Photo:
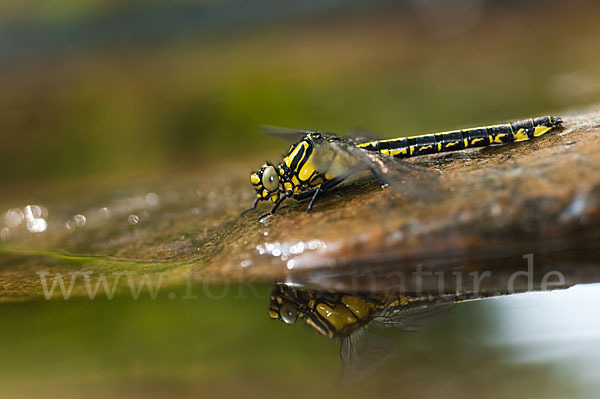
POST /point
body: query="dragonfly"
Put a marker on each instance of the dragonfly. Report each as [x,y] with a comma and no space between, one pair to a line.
[319,161]
[349,317]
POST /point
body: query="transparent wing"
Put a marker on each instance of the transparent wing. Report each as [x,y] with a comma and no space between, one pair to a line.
[414,181]
[361,136]
[291,135]
[362,353]
[414,318]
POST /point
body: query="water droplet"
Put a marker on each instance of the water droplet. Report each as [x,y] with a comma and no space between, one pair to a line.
[246,263]
[79,220]
[266,234]
[39,211]
[14,217]
[133,219]
[290,264]
[297,248]
[37,225]
[152,199]
[35,222]
[314,244]
[276,252]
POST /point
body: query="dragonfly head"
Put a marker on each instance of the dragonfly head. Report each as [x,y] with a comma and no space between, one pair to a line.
[287,304]
[268,182]
[334,315]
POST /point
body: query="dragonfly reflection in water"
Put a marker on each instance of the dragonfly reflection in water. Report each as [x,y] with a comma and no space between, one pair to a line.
[348,317]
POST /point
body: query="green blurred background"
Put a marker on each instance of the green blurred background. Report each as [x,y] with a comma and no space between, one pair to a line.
[109,88]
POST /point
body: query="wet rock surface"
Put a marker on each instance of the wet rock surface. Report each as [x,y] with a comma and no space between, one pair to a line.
[494,205]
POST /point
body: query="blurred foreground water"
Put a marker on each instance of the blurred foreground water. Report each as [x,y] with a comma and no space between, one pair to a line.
[534,345]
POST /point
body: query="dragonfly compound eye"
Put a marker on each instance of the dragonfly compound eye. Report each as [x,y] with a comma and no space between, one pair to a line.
[288,313]
[270,179]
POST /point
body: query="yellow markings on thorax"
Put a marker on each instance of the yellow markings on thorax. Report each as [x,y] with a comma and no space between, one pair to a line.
[273,314]
[521,135]
[254,178]
[338,316]
[316,181]
[290,158]
[306,172]
[320,329]
[403,301]
[359,307]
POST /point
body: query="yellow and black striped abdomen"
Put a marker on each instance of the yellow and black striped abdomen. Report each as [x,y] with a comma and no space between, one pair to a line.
[466,138]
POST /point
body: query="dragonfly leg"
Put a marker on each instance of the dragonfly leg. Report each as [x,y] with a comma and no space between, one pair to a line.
[260,219]
[313,199]
[379,179]
[251,208]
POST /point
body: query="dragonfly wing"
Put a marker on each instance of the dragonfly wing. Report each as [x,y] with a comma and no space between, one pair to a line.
[354,137]
[414,318]
[412,180]
[362,353]
[359,136]
[291,135]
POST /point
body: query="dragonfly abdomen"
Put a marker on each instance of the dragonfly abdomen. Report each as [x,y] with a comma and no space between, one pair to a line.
[457,140]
